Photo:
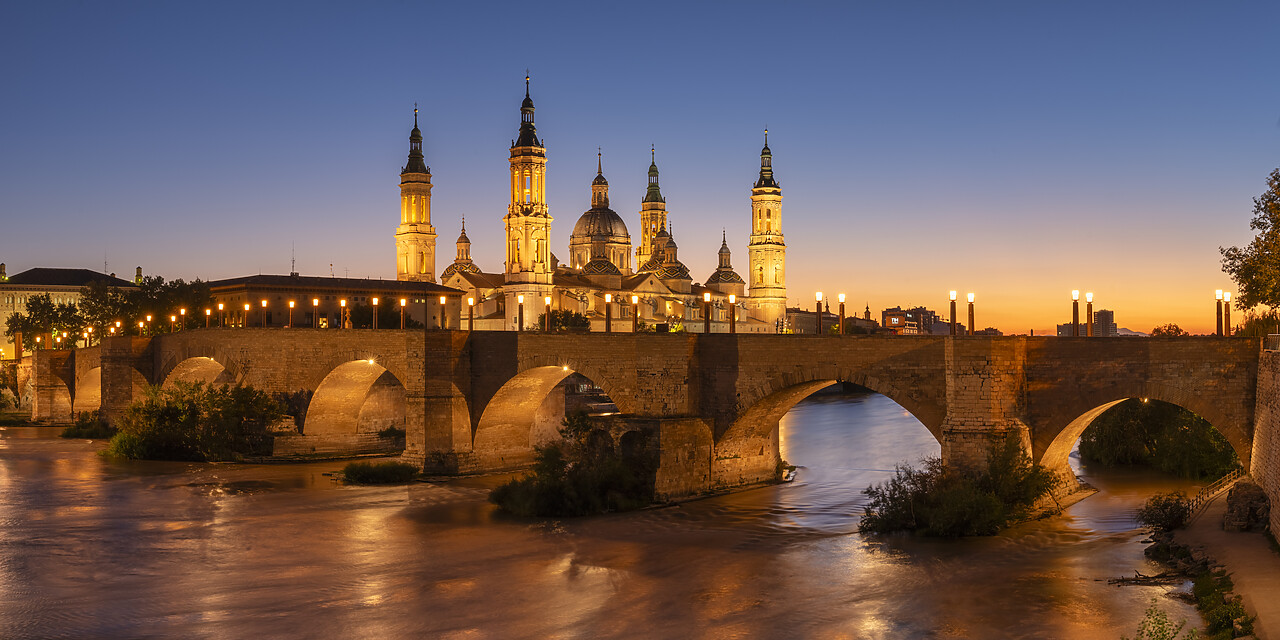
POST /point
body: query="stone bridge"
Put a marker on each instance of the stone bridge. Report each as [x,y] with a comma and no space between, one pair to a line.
[708,404]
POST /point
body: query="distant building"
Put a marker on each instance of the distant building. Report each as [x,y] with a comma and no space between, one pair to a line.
[989,331]
[317,301]
[62,285]
[802,321]
[914,321]
[1104,325]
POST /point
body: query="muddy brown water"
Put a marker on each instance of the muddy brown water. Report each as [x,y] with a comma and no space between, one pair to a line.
[91,547]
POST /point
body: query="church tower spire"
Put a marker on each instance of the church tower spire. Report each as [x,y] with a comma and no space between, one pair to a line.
[653,213]
[415,237]
[528,224]
[766,251]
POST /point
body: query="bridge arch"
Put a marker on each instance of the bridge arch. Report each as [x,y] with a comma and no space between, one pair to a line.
[518,416]
[88,396]
[1053,443]
[196,369]
[356,397]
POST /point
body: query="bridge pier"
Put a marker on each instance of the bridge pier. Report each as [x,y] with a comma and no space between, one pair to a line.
[437,418]
[985,387]
[117,376]
[54,373]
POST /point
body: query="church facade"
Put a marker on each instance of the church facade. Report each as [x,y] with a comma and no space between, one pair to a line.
[607,273]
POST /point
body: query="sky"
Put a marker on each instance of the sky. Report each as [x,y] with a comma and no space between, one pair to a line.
[1015,150]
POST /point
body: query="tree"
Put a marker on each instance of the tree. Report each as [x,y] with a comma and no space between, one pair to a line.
[565,320]
[1170,330]
[102,305]
[1256,267]
[41,316]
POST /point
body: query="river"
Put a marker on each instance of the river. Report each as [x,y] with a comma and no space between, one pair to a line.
[91,547]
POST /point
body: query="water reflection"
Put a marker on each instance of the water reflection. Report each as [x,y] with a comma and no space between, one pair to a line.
[91,547]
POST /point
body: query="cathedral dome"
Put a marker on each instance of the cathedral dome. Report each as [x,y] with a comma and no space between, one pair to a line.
[724,276]
[602,223]
[459,267]
[601,266]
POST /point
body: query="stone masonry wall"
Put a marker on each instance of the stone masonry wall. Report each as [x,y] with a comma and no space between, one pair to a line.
[1266,435]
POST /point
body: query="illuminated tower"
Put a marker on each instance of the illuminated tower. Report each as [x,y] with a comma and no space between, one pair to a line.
[415,237]
[528,225]
[653,214]
[766,251]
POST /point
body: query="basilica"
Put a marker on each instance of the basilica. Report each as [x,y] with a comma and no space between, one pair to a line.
[607,275]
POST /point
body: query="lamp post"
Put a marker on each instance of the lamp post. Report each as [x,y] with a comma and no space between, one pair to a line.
[182,319]
[208,317]
[953,313]
[262,319]
[140,327]
[290,324]
[173,320]
[818,315]
[520,312]
[1075,313]
[403,302]
[1088,314]
[443,324]
[1226,313]
[245,324]
[546,313]
[148,322]
[608,312]
[375,312]
[471,314]
[222,317]
[706,313]
[971,314]
[88,334]
[733,313]
[1218,295]
[635,313]
[342,313]
[840,329]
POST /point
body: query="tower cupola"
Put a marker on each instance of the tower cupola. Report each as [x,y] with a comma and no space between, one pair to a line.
[766,166]
[600,186]
[416,162]
[528,131]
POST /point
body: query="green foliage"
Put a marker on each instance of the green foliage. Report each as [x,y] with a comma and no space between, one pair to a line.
[1160,435]
[1170,330]
[197,421]
[1220,613]
[89,425]
[388,315]
[1156,625]
[41,316]
[388,472]
[1258,324]
[393,433]
[1165,512]
[1256,267]
[940,501]
[582,475]
[295,405]
[102,305]
[564,320]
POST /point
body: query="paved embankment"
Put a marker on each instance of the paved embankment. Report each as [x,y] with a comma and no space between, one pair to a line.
[1248,557]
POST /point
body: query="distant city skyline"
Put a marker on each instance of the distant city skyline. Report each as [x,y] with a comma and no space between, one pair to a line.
[1017,152]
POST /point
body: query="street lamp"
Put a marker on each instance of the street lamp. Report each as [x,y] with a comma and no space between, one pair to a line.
[262,319]
[953,313]
[290,325]
[1088,316]
[1218,294]
[148,322]
[608,312]
[635,313]
[342,313]
[1226,311]
[520,312]
[173,319]
[222,317]
[403,302]
[315,313]
[733,313]
[443,325]
[819,314]
[471,314]
[840,329]
[208,316]
[706,312]
[1075,313]
[140,327]
[971,314]
[245,324]
[375,313]
[182,324]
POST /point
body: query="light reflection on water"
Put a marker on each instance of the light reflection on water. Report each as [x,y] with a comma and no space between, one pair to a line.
[91,547]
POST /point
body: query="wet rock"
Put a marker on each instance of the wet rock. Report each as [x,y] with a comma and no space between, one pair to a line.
[1248,508]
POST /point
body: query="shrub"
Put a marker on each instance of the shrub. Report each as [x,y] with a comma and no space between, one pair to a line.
[1160,435]
[1156,625]
[392,433]
[388,472]
[1165,511]
[89,425]
[582,475]
[940,501]
[197,421]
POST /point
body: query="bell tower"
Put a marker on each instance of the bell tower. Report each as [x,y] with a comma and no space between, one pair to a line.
[766,252]
[528,225]
[415,237]
[653,213]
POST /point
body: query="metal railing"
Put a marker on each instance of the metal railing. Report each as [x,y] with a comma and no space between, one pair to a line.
[1206,494]
[1272,342]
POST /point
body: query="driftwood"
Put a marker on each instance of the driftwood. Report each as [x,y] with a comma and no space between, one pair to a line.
[1162,578]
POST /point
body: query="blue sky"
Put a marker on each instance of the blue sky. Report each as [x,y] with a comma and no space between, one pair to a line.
[1018,150]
